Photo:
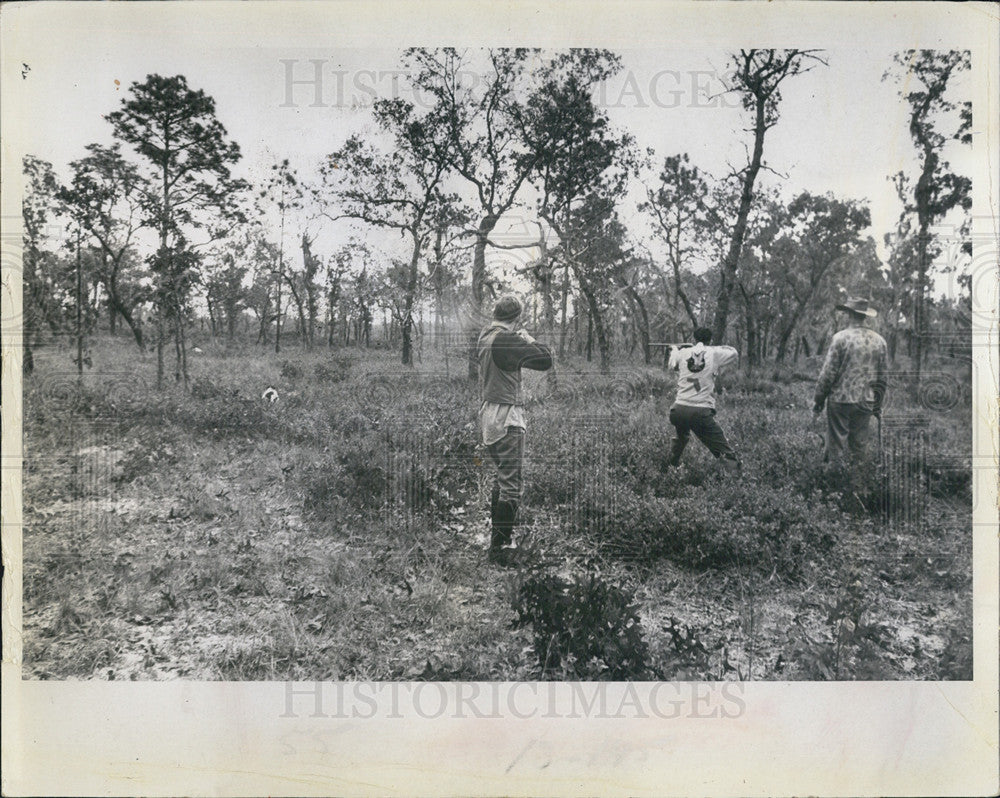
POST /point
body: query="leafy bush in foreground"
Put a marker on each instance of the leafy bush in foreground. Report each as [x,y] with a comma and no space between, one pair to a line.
[583,628]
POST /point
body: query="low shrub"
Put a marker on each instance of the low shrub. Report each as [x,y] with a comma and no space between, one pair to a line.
[203,388]
[956,658]
[949,480]
[364,473]
[291,371]
[583,628]
[322,484]
[227,416]
[846,642]
[686,656]
[642,445]
[750,384]
[418,469]
[719,524]
[152,450]
[331,374]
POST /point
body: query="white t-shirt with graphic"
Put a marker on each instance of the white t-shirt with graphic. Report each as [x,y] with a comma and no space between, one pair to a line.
[697,367]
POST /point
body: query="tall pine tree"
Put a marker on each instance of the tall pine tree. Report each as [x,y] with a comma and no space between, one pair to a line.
[188,155]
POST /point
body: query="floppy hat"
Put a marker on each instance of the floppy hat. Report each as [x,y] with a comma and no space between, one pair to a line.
[859,307]
[507,308]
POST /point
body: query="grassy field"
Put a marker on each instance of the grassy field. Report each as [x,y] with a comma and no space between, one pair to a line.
[340,533]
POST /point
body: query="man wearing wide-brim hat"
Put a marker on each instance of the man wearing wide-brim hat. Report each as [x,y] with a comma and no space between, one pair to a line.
[852,383]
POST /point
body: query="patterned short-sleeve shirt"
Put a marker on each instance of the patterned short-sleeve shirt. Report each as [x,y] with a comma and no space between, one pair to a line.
[855,368]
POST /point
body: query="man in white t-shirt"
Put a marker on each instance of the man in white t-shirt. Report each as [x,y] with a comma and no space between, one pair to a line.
[694,408]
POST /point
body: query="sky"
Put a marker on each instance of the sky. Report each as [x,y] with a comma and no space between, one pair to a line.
[843,129]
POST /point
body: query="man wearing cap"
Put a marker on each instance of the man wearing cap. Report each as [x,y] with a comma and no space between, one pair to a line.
[852,383]
[503,351]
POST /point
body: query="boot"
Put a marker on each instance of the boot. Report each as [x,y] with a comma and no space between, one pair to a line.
[676,450]
[504,515]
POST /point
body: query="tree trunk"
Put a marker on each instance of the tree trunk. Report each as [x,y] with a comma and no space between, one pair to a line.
[410,298]
[753,352]
[821,343]
[563,304]
[177,349]
[752,329]
[785,334]
[264,328]
[118,309]
[299,307]
[312,311]
[438,286]
[211,313]
[728,275]
[476,316]
[680,293]
[79,310]
[595,325]
[31,312]
[547,273]
[310,267]
[923,194]
[603,342]
[159,348]
[438,323]
[183,339]
[919,294]
[641,321]
[166,267]
[277,317]
[817,272]
[576,326]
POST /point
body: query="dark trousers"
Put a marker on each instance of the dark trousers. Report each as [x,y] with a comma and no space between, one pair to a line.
[701,421]
[508,456]
[848,427]
[848,431]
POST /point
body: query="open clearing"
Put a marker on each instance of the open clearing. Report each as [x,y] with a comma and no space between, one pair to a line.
[340,533]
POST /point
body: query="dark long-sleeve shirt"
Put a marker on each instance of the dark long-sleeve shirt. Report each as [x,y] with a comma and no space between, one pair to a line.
[511,352]
[502,355]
